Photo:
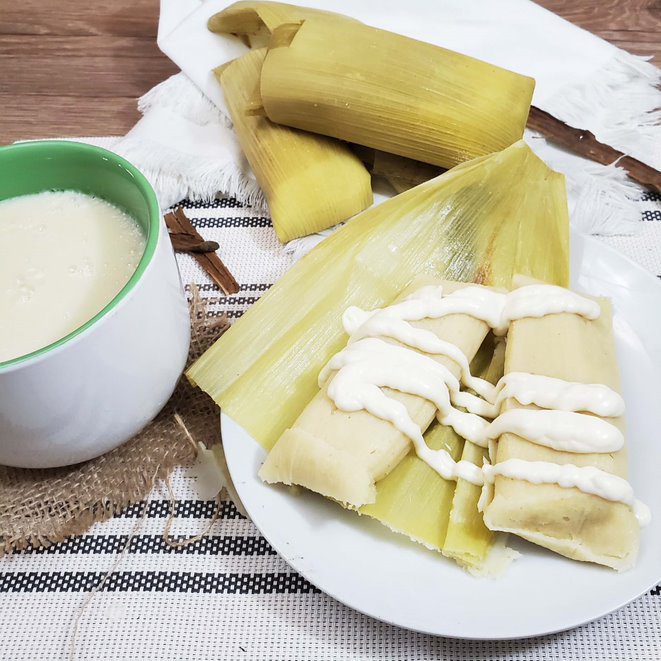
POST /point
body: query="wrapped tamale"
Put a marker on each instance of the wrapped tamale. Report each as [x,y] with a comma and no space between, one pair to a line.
[254,21]
[481,222]
[343,454]
[578,525]
[310,182]
[383,90]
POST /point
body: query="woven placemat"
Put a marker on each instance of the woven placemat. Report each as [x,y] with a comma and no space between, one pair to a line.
[45,506]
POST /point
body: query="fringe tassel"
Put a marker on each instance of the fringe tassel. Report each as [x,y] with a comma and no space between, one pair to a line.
[181,95]
[620,104]
[602,199]
[176,176]
[181,164]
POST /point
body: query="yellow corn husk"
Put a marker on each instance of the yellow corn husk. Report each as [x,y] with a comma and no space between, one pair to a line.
[482,222]
[414,499]
[390,92]
[310,182]
[400,172]
[255,21]
[467,539]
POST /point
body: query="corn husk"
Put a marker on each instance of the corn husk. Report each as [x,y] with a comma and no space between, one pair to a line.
[390,92]
[467,539]
[400,172]
[482,222]
[414,500]
[254,22]
[310,182]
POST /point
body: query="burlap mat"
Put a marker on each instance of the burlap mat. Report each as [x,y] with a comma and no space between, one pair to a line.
[42,507]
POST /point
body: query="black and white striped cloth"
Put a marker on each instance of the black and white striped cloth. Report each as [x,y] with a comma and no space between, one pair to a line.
[230,596]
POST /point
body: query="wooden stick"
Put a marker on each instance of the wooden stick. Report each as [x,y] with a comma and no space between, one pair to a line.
[178,224]
[584,144]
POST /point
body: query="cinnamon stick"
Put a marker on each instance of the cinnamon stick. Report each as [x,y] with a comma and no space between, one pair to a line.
[178,224]
[585,144]
[188,243]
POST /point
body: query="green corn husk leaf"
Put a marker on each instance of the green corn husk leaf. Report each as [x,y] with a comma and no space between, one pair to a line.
[481,222]
[390,92]
[468,540]
[311,182]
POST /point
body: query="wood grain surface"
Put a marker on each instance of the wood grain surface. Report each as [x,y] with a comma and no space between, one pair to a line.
[75,67]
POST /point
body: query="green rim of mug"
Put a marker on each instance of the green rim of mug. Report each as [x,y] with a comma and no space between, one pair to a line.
[71,166]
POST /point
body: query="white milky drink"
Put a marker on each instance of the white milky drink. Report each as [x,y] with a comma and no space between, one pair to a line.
[63,257]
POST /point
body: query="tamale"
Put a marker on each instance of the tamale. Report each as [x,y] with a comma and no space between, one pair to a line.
[575,524]
[416,501]
[390,92]
[310,182]
[343,454]
[480,222]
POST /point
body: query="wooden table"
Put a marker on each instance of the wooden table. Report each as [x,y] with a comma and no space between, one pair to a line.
[75,67]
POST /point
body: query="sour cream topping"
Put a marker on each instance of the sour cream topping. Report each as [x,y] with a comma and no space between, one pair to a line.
[549,393]
[497,309]
[561,430]
[585,478]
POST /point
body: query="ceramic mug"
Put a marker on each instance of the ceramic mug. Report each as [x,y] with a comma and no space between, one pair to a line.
[93,389]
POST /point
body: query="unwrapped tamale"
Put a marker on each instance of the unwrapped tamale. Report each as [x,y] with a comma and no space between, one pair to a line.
[579,525]
[343,454]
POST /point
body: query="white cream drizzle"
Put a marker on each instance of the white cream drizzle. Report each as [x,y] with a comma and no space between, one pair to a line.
[550,393]
[585,478]
[497,309]
[561,430]
[388,323]
[541,300]
[369,364]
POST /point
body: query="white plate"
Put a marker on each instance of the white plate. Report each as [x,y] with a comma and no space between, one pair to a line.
[364,565]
